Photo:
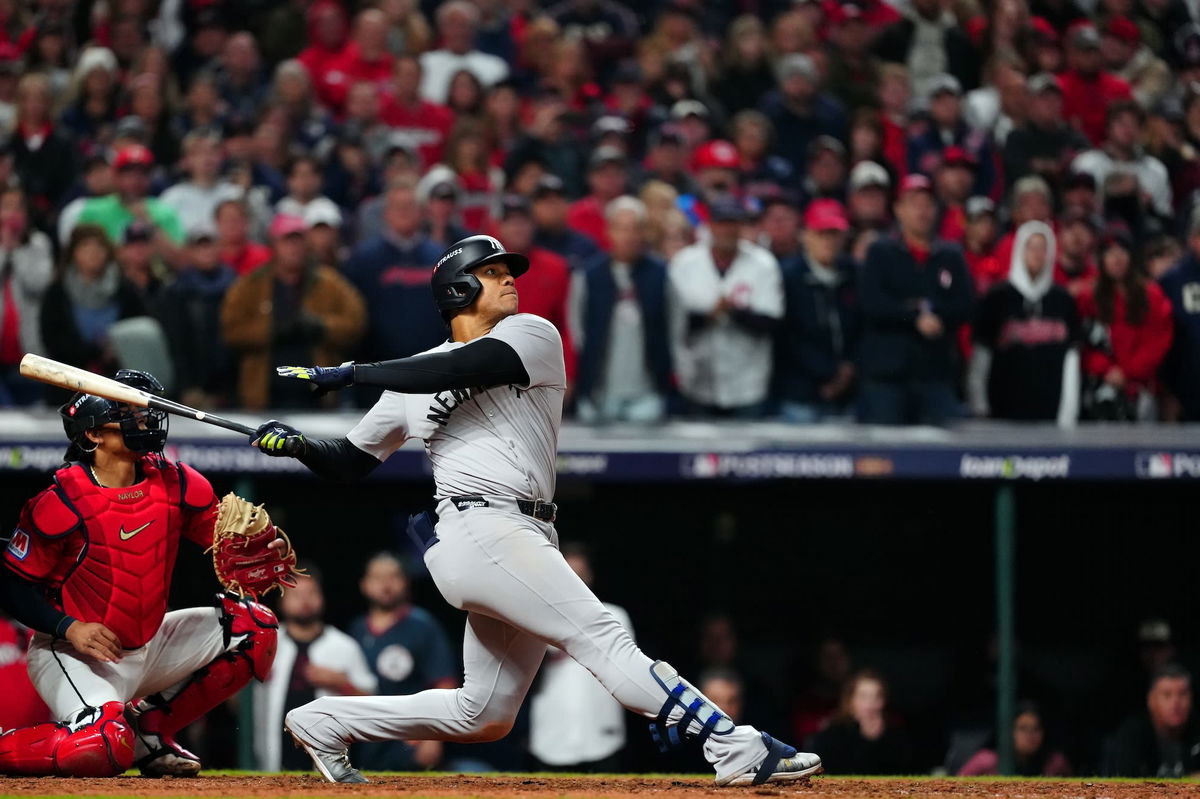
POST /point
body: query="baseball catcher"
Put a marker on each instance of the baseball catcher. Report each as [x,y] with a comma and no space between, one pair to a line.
[88,568]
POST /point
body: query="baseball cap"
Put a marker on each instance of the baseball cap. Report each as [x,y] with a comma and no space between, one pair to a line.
[1080,180]
[322,211]
[133,155]
[443,190]
[689,108]
[958,156]
[513,204]
[1124,29]
[978,206]
[1084,36]
[602,156]
[797,64]
[867,174]
[287,225]
[715,154]
[826,144]
[130,127]
[137,231]
[549,184]
[826,214]
[201,231]
[726,208]
[610,124]
[1043,82]
[915,181]
[401,141]
[1043,31]
[943,84]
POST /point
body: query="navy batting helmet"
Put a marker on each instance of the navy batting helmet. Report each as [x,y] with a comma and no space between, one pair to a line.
[144,429]
[454,287]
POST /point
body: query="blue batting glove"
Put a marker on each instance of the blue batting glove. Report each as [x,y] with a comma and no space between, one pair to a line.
[322,378]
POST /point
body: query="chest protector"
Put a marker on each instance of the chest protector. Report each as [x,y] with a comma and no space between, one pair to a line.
[131,536]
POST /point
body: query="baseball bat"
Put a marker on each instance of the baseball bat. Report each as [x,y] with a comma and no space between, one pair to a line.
[70,377]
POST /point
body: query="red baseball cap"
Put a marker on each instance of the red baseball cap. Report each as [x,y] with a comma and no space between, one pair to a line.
[1123,28]
[286,225]
[826,214]
[915,181]
[1043,30]
[133,155]
[715,154]
[957,156]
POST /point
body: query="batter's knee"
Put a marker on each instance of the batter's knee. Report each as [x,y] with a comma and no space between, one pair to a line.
[485,721]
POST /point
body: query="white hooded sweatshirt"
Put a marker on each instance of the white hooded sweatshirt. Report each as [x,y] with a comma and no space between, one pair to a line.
[1033,290]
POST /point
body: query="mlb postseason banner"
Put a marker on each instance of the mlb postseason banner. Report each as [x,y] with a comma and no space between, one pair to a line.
[694,451]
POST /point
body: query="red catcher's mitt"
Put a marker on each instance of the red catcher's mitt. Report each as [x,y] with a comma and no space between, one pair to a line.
[241,557]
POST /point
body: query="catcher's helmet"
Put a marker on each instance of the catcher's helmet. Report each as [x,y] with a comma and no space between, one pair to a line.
[454,287]
[144,429]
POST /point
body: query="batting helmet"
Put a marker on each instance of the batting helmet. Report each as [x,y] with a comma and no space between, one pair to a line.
[144,429]
[454,287]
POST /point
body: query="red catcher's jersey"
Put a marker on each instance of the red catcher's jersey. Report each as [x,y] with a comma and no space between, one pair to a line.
[107,554]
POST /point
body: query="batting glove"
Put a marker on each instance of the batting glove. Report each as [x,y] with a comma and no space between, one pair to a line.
[323,378]
[279,439]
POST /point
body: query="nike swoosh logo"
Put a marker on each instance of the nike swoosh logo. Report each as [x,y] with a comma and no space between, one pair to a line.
[125,536]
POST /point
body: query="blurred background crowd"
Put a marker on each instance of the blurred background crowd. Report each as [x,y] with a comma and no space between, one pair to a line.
[901,212]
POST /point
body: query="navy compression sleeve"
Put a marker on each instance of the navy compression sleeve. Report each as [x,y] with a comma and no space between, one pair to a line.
[27,603]
[485,362]
[337,459]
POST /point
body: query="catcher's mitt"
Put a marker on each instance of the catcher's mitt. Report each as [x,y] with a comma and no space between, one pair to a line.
[241,555]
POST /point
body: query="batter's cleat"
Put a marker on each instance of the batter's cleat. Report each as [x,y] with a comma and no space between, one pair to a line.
[781,764]
[334,766]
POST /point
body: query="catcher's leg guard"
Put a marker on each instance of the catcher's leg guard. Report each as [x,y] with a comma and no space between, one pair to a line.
[699,718]
[99,744]
[160,717]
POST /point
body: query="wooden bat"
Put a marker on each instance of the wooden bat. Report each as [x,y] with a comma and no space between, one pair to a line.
[70,377]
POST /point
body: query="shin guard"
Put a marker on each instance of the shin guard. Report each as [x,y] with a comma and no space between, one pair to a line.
[159,718]
[100,744]
[700,717]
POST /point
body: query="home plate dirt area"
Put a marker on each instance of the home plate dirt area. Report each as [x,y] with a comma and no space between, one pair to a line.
[535,786]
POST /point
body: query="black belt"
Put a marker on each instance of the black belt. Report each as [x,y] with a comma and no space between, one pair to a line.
[539,509]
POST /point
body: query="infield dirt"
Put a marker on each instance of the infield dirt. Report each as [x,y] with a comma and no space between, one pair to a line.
[538,786]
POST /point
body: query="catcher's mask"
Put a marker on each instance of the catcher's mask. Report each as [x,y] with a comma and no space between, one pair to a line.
[143,429]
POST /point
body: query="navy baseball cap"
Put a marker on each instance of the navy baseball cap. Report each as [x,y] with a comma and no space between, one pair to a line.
[727,208]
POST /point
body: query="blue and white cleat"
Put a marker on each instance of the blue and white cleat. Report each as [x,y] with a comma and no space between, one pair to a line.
[781,764]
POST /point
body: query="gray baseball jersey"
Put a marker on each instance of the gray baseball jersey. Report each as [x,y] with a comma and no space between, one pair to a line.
[499,441]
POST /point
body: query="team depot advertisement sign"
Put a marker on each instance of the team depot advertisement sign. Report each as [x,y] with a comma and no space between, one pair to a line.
[1015,467]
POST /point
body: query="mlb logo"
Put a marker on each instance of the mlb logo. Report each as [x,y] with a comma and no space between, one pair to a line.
[18,545]
[1155,465]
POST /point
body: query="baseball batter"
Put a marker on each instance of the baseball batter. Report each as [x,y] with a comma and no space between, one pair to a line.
[488,404]
[89,569]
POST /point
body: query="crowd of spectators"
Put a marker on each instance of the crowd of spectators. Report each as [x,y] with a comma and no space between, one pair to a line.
[897,210]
